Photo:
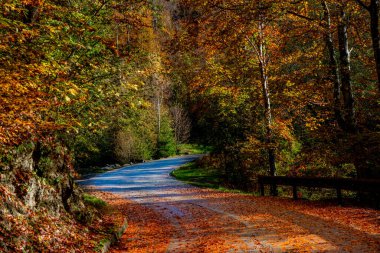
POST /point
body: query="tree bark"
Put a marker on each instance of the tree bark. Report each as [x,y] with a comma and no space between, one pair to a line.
[373,10]
[333,65]
[345,73]
[268,118]
[263,59]
[374,13]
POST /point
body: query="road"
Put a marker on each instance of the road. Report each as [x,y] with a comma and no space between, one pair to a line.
[202,220]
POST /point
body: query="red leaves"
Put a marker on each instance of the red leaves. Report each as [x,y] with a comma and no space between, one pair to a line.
[146,232]
[225,222]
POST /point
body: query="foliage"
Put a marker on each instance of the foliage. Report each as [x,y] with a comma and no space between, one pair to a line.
[193,149]
[94,201]
[166,145]
[201,177]
[258,78]
[79,71]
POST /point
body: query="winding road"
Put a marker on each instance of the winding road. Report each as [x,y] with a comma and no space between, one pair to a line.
[202,220]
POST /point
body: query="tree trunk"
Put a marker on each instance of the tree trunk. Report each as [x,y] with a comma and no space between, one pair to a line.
[268,118]
[159,102]
[333,65]
[374,13]
[373,10]
[267,106]
[345,73]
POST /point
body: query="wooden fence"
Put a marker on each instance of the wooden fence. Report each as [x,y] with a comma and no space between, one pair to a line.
[350,184]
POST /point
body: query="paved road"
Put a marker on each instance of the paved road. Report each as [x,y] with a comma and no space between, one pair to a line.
[210,221]
[143,182]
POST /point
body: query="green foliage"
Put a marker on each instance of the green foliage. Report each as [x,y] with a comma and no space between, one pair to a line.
[94,201]
[202,176]
[166,145]
[195,175]
[131,145]
[193,149]
[70,71]
[92,149]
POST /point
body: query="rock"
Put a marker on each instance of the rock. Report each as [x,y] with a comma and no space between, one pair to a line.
[30,197]
[40,177]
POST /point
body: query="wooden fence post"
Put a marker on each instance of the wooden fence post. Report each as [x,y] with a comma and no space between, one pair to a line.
[295,196]
[339,195]
[262,189]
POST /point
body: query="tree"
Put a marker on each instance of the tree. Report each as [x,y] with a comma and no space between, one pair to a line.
[261,51]
[345,72]
[333,64]
[373,10]
[181,124]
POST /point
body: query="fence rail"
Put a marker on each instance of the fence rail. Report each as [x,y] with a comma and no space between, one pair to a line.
[358,185]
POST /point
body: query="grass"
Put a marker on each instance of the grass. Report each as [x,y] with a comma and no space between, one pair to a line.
[192,149]
[203,177]
[94,201]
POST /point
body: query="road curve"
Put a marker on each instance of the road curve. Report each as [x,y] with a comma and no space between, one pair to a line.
[211,221]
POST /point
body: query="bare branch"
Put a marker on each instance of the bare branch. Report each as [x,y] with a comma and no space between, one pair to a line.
[360,2]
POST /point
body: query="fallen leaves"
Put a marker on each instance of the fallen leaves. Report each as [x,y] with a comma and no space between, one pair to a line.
[213,221]
[145,231]
[40,231]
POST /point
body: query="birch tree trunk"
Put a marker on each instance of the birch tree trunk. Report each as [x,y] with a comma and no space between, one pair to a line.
[345,73]
[263,61]
[333,65]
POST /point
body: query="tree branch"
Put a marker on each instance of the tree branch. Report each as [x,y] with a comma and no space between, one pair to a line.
[360,2]
[300,15]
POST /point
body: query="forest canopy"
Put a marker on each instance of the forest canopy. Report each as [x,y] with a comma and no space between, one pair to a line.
[283,87]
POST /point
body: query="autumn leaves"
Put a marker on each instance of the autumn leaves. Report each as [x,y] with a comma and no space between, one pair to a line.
[275,78]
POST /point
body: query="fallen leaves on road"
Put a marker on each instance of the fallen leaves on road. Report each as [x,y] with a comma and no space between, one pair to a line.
[147,231]
[211,221]
[303,226]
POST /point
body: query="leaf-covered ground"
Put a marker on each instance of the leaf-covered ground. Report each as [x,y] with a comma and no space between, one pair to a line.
[42,231]
[228,222]
[166,215]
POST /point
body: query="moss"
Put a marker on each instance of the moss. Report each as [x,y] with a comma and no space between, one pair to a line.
[94,201]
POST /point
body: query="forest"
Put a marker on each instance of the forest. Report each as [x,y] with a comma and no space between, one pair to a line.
[292,87]
[280,88]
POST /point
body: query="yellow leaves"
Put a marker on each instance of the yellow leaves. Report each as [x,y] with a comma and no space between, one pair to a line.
[312,123]
[283,129]
[73,92]
[291,91]
[289,84]
[59,68]
[67,98]
[11,7]
[52,29]
[132,86]
[32,2]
